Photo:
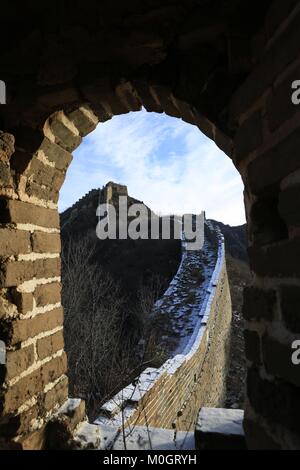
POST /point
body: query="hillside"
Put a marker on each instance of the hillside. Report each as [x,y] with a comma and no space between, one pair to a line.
[235,239]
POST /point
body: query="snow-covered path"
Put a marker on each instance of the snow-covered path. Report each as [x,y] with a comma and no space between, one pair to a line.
[177,312]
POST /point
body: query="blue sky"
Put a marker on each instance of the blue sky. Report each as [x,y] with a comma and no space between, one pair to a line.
[165,162]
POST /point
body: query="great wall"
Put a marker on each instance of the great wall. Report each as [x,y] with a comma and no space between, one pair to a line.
[194,375]
[227,71]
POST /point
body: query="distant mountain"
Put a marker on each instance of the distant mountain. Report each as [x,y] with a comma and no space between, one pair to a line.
[235,240]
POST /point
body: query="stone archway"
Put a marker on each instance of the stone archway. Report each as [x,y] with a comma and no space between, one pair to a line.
[65,88]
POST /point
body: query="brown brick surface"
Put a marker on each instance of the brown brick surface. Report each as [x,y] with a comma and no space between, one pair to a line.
[50,345]
[46,242]
[18,361]
[16,272]
[15,331]
[25,213]
[34,383]
[47,294]
[14,242]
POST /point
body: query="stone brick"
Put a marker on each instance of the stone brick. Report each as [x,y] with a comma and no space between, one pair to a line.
[57,395]
[15,331]
[289,205]
[84,119]
[249,136]
[126,93]
[14,242]
[146,97]
[50,345]
[45,193]
[56,98]
[26,213]
[23,301]
[14,425]
[276,401]
[290,307]
[16,272]
[18,361]
[64,136]
[29,386]
[7,143]
[72,413]
[56,154]
[102,92]
[5,175]
[43,174]
[270,168]
[278,260]
[258,304]
[34,440]
[252,346]
[282,52]
[47,294]
[280,107]
[266,224]
[46,242]
[164,96]
[278,360]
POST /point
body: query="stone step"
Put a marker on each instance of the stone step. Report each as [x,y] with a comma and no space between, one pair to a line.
[220,429]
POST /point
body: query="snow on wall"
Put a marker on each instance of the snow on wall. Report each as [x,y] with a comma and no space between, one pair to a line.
[157,394]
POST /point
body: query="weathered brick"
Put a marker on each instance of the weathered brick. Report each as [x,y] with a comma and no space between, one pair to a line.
[23,301]
[50,345]
[26,213]
[18,361]
[5,175]
[278,360]
[57,395]
[102,92]
[289,205]
[249,136]
[146,97]
[18,424]
[45,193]
[282,52]
[280,107]
[43,174]
[46,242]
[47,294]
[270,168]
[14,242]
[15,331]
[252,346]
[63,135]
[56,154]
[290,307]
[34,440]
[258,304]
[276,401]
[278,260]
[16,272]
[266,224]
[84,119]
[34,383]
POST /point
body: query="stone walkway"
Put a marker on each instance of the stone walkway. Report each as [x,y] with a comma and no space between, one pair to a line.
[177,312]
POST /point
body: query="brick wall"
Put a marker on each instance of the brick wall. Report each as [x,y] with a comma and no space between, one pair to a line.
[266,153]
[170,397]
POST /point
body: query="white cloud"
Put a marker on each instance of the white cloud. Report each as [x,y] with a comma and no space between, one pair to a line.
[168,164]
